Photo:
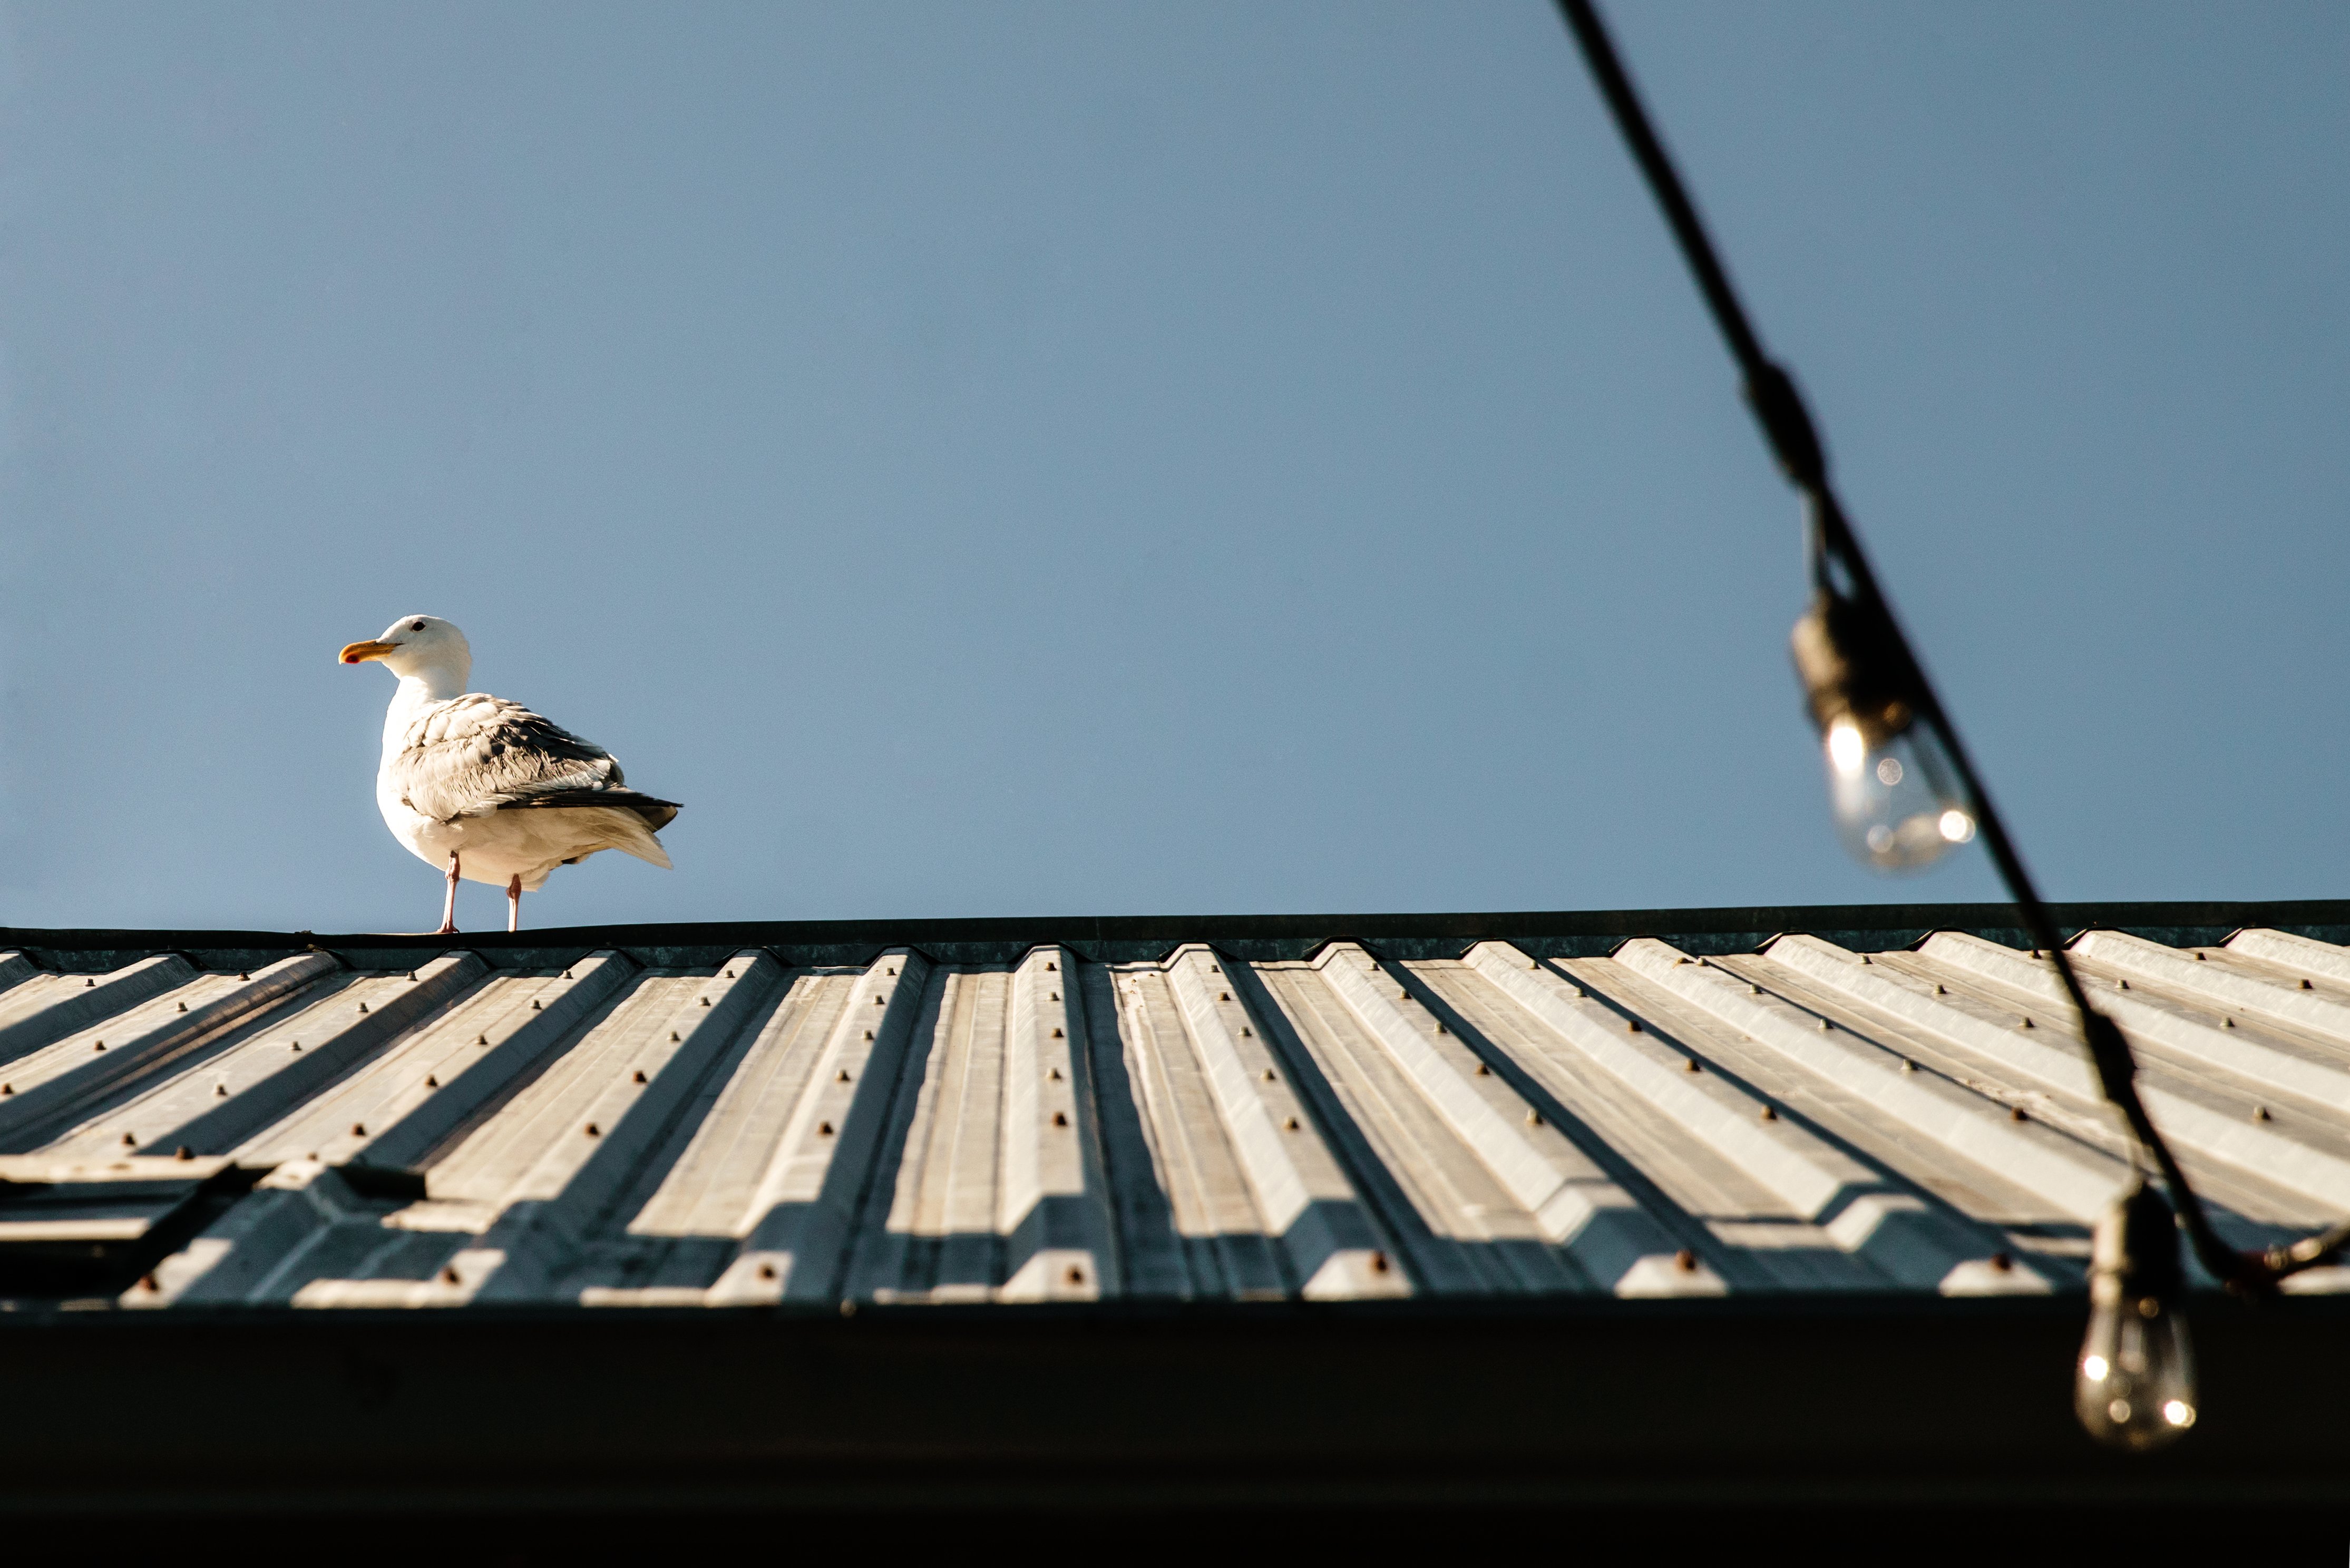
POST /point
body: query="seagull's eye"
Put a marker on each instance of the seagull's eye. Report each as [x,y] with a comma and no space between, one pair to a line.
[416,626]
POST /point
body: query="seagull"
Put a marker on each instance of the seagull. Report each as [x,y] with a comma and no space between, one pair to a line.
[485,787]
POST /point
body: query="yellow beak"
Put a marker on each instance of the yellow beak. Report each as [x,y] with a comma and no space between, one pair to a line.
[361,652]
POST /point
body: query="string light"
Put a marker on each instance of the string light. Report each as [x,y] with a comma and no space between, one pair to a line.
[1904,794]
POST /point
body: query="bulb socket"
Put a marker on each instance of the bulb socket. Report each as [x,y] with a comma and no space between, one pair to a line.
[1855,668]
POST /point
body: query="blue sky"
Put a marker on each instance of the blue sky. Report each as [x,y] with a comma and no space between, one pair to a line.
[1030,459]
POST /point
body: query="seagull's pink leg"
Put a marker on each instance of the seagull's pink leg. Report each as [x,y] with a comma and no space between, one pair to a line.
[449,905]
[513,903]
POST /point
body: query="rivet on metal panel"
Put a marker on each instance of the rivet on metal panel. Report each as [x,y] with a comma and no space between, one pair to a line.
[1484,1071]
[1052,967]
[1380,1264]
[841,1076]
[848,1309]
[1289,1125]
[638,1076]
[1678,962]
[411,974]
[869,1035]
[567,975]
[1223,996]
[87,983]
[98,1044]
[1058,1035]
[1247,1032]
[244,976]
[673,1035]
[888,971]
[2037,953]
[2199,957]
[1441,1029]
[359,1129]
[480,1039]
[7,1088]
[431,1082]
[1577,989]
[2260,1113]
[1054,996]
[449,1275]
[220,1091]
[2307,986]
[183,1007]
[184,1152]
[362,1007]
[1685,1260]
[766,1271]
[2124,985]
[1534,1118]
[2227,1023]
[2027,1021]
[1533,963]
[129,1141]
[879,1003]
[2001,1261]
[294,1044]
[823,1129]
[595,1131]
[147,1283]
[1076,1276]
[1866,958]
[1632,1026]
[1941,990]
[1213,969]
[1269,1077]
[1055,1074]
[729,974]
[1825,1024]
[1769,1114]
[533,1004]
[1908,1065]
[2015,1114]
[705,1001]
[1060,1119]
[1693,1065]
[1403,995]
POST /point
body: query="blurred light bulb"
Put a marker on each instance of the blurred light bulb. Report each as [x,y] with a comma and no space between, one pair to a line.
[2135,1384]
[1895,790]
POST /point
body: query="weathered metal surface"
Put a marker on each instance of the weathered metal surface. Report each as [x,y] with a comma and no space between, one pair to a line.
[598,1124]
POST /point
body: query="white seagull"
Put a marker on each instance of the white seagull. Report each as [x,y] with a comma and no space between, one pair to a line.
[485,787]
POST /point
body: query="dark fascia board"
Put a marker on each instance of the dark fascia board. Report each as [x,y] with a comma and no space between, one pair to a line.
[1568,933]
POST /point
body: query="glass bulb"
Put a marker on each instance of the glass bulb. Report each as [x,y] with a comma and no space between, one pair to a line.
[2133,1387]
[1898,805]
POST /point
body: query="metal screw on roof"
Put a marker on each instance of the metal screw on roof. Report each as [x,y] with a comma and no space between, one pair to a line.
[2124,985]
[87,983]
[1290,1125]
[431,1082]
[449,1274]
[729,974]
[1941,990]
[220,1091]
[1866,958]
[1223,996]
[1054,996]
[1057,1034]
[1693,1065]
[1533,963]
[888,971]
[533,1004]
[411,974]
[2015,1114]
[2227,1023]
[878,1002]
[567,975]
[147,1283]
[766,1271]
[1055,1074]
[1754,989]
[2260,1113]
[480,1039]
[1908,1065]
[1213,969]
[595,1131]
[823,1129]
[672,1034]
[1685,1260]
[2027,1021]
[1826,1024]
[1534,1118]
[244,976]
[1769,1114]
[841,1076]
[184,1152]
[705,1001]
[1678,962]
[2307,986]
[2001,1261]
[1440,1029]
[294,1044]
[1052,967]
[1484,1071]
[1403,995]
[1575,989]
[1247,1032]
[362,1007]
[2199,957]
[98,1044]
[869,1035]
[848,1309]
[7,1088]
[183,1007]
[1077,1276]
[359,1129]
[129,1141]
[638,1076]
[1269,1077]
[1380,1264]
[1632,1026]
[1060,1119]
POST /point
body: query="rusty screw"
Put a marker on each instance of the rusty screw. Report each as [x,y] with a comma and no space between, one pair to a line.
[1685,1260]
[595,1131]
[766,1271]
[823,1129]
[1060,1119]
[1380,1264]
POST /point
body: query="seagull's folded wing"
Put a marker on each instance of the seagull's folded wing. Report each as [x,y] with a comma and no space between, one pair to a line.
[480,753]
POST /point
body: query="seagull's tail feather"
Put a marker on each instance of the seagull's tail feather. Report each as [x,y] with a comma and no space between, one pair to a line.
[629,817]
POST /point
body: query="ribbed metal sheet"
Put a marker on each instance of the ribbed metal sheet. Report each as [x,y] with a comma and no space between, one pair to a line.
[1653,1122]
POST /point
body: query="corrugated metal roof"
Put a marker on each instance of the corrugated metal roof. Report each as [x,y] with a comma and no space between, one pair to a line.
[579,1119]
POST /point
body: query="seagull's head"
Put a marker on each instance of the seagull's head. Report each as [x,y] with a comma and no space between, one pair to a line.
[418,647]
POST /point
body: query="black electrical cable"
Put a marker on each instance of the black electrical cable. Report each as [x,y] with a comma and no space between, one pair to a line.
[1795,441]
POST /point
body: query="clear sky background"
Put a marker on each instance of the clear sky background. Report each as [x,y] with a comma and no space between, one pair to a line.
[1032,459]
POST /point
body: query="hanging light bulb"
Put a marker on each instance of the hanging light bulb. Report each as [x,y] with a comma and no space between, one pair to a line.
[1899,802]
[2134,1385]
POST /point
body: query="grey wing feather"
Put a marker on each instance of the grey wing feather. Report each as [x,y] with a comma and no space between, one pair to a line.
[477,753]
